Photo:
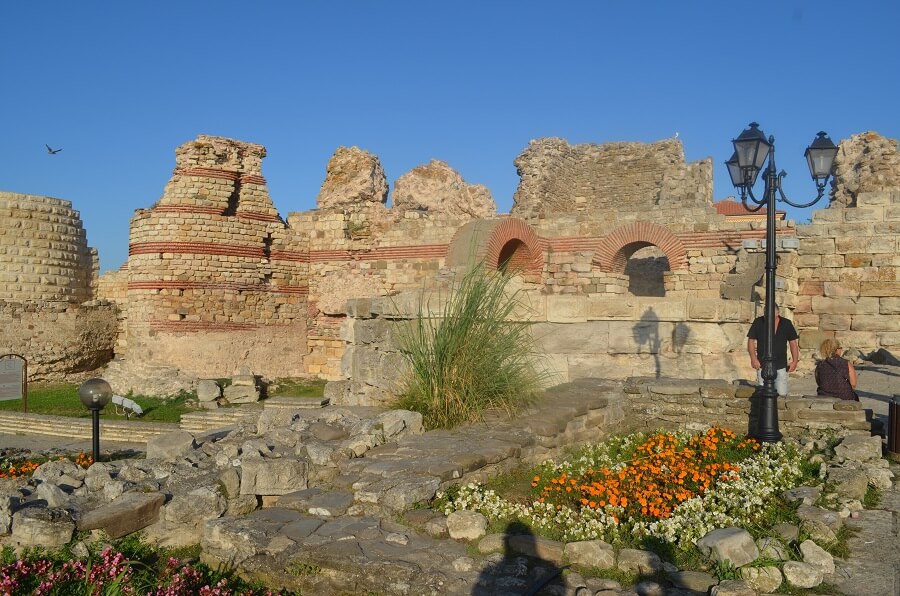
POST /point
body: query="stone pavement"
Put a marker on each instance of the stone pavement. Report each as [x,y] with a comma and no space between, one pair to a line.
[873,568]
[307,532]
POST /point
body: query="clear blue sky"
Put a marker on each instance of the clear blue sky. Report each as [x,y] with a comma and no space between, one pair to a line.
[119,85]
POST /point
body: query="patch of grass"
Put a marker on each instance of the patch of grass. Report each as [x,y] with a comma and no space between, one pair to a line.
[779,511]
[515,484]
[840,548]
[296,388]
[625,578]
[824,588]
[61,399]
[472,356]
[872,498]
[301,569]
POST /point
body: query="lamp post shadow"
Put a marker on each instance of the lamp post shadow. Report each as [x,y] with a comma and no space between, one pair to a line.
[646,332]
[521,570]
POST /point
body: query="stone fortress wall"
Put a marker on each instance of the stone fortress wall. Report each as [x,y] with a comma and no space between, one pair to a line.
[48,275]
[217,279]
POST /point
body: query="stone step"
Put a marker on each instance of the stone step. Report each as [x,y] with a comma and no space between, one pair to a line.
[202,422]
[289,402]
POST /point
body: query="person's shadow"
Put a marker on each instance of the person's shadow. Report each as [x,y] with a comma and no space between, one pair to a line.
[520,571]
[646,332]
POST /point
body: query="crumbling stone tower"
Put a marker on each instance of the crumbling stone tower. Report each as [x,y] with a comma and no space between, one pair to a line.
[47,277]
[212,284]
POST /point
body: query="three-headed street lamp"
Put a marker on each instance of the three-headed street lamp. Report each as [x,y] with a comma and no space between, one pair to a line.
[751,149]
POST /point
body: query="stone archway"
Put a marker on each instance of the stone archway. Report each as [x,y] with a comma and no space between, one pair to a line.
[617,247]
[507,244]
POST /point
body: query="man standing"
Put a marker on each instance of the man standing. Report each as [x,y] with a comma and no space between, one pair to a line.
[785,334]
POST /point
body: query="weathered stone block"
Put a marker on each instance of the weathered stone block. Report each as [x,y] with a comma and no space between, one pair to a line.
[590,553]
[605,308]
[834,323]
[591,337]
[735,545]
[272,477]
[566,309]
[817,246]
[127,514]
[873,213]
[880,288]
[39,526]
[875,323]
[537,547]
[208,390]
[811,339]
[845,288]
[844,306]
[170,445]
[466,525]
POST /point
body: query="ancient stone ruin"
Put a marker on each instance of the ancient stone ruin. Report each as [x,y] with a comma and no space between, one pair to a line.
[627,264]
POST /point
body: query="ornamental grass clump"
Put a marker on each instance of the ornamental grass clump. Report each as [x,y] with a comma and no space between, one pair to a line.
[671,487]
[471,356]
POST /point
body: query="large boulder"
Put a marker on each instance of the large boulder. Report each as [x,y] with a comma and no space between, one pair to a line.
[729,544]
[353,177]
[171,445]
[466,525]
[866,162]
[438,188]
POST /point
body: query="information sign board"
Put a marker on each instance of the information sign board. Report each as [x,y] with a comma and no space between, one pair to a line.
[12,377]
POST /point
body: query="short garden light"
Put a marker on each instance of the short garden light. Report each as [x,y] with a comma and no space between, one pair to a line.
[95,394]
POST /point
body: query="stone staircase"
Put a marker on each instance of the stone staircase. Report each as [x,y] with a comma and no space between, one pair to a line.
[208,420]
[137,431]
[126,431]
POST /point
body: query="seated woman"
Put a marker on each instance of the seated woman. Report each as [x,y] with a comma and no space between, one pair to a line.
[835,376]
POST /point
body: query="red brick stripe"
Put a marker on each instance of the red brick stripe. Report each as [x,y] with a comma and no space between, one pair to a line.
[187,209]
[159,284]
[258,216]
[196,248]
[210,173]
[252,179]
[383,253]
[194,326]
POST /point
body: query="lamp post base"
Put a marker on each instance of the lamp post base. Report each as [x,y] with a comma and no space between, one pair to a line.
[95,433]
[765,408]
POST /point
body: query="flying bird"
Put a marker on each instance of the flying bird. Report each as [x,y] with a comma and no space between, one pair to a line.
[50,150]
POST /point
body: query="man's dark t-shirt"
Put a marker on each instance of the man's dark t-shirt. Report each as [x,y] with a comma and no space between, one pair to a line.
[784,332]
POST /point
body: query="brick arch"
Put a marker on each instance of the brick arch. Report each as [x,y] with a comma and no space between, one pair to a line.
[613,251]
[510,239]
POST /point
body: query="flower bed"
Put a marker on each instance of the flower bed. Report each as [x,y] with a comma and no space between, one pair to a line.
[674,487]
[112,572]
[19,468]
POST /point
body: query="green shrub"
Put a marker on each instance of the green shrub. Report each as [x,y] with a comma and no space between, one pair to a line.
[471,357]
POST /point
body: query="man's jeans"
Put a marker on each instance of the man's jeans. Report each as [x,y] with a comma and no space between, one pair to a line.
[781,380]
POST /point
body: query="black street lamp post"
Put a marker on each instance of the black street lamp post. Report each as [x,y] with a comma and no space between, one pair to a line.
[95,394]
[751,149]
